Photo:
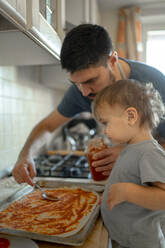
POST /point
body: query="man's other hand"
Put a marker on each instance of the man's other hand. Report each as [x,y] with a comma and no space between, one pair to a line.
[106,159]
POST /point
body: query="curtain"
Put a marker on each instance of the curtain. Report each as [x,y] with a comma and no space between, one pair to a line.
[129,41]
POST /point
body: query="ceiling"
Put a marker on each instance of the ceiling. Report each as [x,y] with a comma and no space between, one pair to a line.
[116,4]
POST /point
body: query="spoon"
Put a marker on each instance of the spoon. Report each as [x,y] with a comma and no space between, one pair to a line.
[45,195]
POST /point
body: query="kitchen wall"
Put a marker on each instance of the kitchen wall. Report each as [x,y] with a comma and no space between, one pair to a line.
[23,102]
[109,19]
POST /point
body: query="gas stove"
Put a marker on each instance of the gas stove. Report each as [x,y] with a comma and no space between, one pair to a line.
[68,166]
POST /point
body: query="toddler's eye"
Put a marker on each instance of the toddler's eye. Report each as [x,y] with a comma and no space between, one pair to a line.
[104,123]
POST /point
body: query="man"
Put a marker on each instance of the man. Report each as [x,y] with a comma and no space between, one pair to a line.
[88,56]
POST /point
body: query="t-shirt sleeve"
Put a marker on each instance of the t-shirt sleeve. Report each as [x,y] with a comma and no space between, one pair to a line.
[74,103]
[152,167]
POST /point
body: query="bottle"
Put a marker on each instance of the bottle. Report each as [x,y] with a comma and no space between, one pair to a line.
[95,145]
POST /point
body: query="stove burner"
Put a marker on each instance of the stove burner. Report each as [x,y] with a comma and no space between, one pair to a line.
[69,166]
[75,171]
[54,158]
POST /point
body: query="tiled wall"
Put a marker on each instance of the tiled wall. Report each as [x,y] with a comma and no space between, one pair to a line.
[23,103]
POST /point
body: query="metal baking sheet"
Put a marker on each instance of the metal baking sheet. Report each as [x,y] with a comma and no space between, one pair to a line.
[53,183]
[75,240]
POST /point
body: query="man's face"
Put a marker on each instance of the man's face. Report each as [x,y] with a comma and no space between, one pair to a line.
[92,80]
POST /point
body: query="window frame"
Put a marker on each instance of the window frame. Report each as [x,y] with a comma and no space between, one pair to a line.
[149,27]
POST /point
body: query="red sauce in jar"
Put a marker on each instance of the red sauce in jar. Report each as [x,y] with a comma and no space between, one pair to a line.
[96,175]
[4,243]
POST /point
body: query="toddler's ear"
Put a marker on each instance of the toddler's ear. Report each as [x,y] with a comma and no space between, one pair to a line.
[132,116]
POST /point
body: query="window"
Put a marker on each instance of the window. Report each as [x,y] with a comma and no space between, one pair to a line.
[154,45]
[155,49]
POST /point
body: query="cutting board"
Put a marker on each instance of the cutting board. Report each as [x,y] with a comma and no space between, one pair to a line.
[97,239]
[66,152]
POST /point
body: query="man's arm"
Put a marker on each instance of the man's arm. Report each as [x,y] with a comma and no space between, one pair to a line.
[24,169]
[150,197]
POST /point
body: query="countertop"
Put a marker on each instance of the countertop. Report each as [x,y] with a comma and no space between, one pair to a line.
[97,239]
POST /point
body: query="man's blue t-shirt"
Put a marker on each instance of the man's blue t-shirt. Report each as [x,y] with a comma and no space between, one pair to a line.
[74,102]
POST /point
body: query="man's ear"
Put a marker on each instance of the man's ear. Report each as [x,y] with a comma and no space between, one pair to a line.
[132,115]
[113,59]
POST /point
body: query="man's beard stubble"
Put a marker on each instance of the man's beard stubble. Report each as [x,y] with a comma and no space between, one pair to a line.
[112,80]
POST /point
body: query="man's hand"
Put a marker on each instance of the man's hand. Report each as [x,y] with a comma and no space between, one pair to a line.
[117,194]
[24,171]
[106,158]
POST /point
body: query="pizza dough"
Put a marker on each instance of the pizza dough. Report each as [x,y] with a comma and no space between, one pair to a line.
[61,218]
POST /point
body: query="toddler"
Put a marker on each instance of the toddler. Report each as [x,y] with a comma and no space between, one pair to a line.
[133,203]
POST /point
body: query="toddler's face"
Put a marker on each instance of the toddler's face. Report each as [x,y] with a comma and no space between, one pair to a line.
[115,121]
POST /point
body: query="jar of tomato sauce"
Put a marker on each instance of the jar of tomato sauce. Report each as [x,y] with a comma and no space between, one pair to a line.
[95,145]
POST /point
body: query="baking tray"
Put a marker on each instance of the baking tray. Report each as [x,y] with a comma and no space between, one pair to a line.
[53,183]
[75,240]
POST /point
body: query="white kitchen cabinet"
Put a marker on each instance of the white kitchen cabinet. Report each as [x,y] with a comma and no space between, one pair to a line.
[13,3]
[25,15]
[15,10]
[21,7]
[82,11]
[61,18]
[75,11]
[39,26]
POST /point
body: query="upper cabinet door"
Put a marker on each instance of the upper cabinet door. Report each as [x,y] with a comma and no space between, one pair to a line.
[21,8]
[15,11]
[13,3]
[42,22]
[38,19]
[81,11]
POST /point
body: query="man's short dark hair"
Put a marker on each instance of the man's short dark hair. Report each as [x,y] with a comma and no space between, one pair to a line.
[85,45]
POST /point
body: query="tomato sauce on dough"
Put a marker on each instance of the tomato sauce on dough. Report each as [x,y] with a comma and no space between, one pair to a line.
[34,214]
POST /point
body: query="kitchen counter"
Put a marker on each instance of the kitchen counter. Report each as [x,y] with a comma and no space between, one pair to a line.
[97,239]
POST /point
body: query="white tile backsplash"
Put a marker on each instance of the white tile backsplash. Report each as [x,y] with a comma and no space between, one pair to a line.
[23,103]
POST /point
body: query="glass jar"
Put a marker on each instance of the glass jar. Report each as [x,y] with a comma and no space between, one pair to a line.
[95,145]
